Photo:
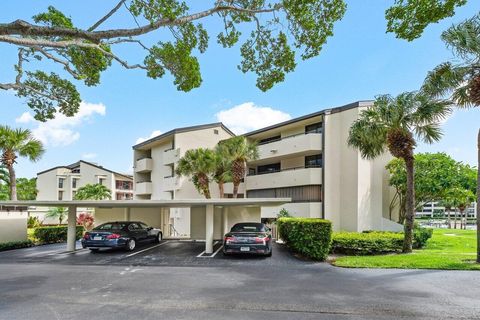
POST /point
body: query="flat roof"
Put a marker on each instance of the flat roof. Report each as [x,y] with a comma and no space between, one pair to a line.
[349,106]
[76,164]
[151,203]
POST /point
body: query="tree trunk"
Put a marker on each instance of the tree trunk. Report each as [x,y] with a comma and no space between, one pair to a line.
[221,189]
[455,220]
[449,220]
[409,205]
[478,198]
[235,189]
[461,219]
[13,183]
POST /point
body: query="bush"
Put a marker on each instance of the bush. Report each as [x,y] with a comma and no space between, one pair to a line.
[15,245]
[421,236]
[310,237]
[365,243]
[33,222]
[55,234]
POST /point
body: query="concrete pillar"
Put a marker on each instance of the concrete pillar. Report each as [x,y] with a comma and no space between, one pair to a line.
[209,229]
[72,228]
[126,213]
[225,220]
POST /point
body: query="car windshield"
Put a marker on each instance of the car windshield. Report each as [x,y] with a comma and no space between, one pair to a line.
[111,226]
[248,227]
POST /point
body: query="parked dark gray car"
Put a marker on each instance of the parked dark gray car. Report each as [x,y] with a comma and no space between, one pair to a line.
[249,238]
[120,234]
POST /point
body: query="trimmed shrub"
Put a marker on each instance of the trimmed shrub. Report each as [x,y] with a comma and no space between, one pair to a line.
[365,243]
[310,237]
[15,245]
[55,234]
[421,236]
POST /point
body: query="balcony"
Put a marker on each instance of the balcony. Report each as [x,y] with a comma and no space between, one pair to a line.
[291,146]
[144,165]
[171,156]
[143,188]
[285,178]
[171,183]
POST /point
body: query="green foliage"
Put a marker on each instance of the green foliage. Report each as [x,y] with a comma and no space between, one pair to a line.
[409,18]
[55,234]
[53,18]
[27,189]
[310,237]
[421,236]
[93,192]
[199,165]
[357,243]
[284,214]
[59,213]
[48,93]
[15,245]
[33,222]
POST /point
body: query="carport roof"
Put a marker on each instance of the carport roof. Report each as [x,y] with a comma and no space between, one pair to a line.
[152,203]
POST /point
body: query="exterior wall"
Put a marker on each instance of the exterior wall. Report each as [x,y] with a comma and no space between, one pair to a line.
[13,226]
[306,209]
[357,194]
[155,217]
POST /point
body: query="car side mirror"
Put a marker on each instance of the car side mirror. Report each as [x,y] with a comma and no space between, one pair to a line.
[149,228]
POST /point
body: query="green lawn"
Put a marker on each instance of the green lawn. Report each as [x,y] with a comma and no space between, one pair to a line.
[448,249]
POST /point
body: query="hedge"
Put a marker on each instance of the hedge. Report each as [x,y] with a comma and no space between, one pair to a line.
[310,237]
[55,234]
[377,242]
[15,245]
[356,243]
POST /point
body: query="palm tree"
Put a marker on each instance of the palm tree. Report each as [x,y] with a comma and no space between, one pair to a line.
[239,150]
[93,192]
[462,80]
[391,124]
[15,143]
[199,164]
[59,213]
[448,204]
[222,173]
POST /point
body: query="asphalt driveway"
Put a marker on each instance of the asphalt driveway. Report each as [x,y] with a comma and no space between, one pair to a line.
[168,282]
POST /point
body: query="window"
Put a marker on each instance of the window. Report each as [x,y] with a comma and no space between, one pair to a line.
[60,182]
[271,139]
[60,195]
[314,128]
[251,171]
[143,225]
[74,183]
[134,226]
[314,161]
[215,131]
[268,168]
[123,185]
[101,181]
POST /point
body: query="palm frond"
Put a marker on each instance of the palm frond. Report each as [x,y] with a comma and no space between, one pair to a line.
[464,39]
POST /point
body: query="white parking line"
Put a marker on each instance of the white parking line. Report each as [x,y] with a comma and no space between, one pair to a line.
[158,245]
[201,254]
[215,253]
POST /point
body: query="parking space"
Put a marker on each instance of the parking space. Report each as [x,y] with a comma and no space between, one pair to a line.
[166,253]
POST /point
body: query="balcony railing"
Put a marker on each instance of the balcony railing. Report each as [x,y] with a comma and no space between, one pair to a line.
[287,137]
[283,170]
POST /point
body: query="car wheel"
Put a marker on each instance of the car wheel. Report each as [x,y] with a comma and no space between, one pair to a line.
[158,238]
[94,250]
[131,244]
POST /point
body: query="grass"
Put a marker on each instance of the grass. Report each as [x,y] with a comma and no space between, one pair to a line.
[448,249]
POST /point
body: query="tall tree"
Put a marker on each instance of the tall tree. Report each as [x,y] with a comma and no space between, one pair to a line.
[239,151]
[15,143]
[27,189]
[461,81]
[93,192]
[392,124]
[276,33]
[199,165]
[223,164]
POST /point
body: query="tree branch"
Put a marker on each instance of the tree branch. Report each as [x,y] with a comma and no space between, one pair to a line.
[108,15]
[66,64]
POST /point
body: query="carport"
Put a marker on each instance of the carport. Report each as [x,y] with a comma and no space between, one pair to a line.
[249,208]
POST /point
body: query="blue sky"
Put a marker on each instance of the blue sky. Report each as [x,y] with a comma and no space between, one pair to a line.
[359,62]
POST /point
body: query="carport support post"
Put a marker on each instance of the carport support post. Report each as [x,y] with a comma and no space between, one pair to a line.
[209,229]
[72,228]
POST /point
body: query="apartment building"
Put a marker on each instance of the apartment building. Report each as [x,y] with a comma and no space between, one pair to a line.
[62,182]
[306,159]
[154,171]
[435,209]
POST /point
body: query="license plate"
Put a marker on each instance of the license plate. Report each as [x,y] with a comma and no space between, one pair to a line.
[244,249]
[97,238]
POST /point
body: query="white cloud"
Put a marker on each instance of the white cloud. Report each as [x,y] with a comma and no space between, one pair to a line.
[248,116]
[89,156]
[62,130]
[152,135]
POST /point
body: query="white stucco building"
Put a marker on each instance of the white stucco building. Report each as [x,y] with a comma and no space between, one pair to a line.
[306,159]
